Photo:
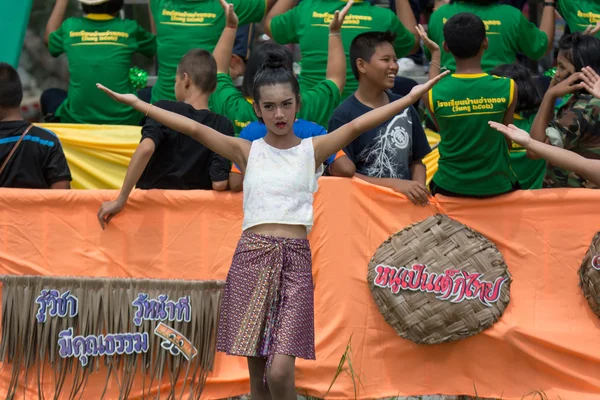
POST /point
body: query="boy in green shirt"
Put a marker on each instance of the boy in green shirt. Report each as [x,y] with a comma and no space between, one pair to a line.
[508,31]
[182,25]
[318,101]
[307,24]
[474,158]
[99,47]
[530,173]
[580,14]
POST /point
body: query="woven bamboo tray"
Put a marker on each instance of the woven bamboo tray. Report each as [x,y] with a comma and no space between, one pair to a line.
[463,287]
[589,275]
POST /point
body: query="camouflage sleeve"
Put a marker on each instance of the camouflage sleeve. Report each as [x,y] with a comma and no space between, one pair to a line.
[576,128]
[570,122]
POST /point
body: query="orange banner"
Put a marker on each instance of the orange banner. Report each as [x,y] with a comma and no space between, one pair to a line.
[547,340]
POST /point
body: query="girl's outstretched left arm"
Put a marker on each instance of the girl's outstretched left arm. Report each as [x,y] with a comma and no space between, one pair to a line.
[330,144]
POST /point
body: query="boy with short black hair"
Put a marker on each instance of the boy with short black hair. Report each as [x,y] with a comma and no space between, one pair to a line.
[99,47]
[391,154]
[166,159]
[30,157]
[474,158]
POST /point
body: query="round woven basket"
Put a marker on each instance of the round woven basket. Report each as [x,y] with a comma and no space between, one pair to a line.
[589,275]
[439,281]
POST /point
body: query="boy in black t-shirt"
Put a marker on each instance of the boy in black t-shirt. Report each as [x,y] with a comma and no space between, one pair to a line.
[389,155]
[166,159]
[39,161]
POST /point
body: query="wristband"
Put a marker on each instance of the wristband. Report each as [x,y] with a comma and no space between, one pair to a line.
[549,4]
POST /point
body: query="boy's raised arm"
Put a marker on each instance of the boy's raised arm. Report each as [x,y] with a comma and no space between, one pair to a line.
[436,58]
[407,17]
[56,18]
[336,62]
[224,48]
[280,7]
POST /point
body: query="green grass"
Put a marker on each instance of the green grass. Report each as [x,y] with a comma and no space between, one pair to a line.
[345,366]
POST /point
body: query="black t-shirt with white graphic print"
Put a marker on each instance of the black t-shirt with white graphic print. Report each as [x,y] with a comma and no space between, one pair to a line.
[388,150]
[38,163]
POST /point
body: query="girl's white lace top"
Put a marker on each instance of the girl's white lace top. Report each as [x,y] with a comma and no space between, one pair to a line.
[279,185]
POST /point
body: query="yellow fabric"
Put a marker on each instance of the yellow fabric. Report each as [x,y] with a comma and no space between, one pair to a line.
[431,161]
[100,17]
[98,155]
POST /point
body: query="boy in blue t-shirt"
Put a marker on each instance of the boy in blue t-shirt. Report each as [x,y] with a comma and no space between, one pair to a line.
[391,154]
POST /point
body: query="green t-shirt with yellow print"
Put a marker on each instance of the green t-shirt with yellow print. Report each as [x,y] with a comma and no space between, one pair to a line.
[579,14]
[317,103]
[99,48]
[183,25]
[508,33]
[530,173]
[308,25]
[474,158]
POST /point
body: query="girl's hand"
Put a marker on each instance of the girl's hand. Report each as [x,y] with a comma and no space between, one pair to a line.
[519,136]
[231,19]
[592,30]
[430,44]
[591,81]
[129,99]
[338,18]
[418,91]
[567,86]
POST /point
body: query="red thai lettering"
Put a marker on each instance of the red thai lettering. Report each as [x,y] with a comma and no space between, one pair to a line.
[412,281]
[453,285]
[493,295]
[446,285]
[397,281]
[380,279]
[385,275]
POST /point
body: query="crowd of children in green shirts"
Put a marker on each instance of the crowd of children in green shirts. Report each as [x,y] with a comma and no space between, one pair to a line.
[487,84]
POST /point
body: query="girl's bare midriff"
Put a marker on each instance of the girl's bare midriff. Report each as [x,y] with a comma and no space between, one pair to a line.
[288,231]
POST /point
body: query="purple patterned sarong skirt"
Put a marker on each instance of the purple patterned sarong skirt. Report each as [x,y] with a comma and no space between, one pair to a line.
[268,305]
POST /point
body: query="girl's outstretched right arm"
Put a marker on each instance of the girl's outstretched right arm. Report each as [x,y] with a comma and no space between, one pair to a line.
[233,149]
[589,169]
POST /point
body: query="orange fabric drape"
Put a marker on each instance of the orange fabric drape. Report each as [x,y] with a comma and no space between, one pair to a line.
[548,339]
